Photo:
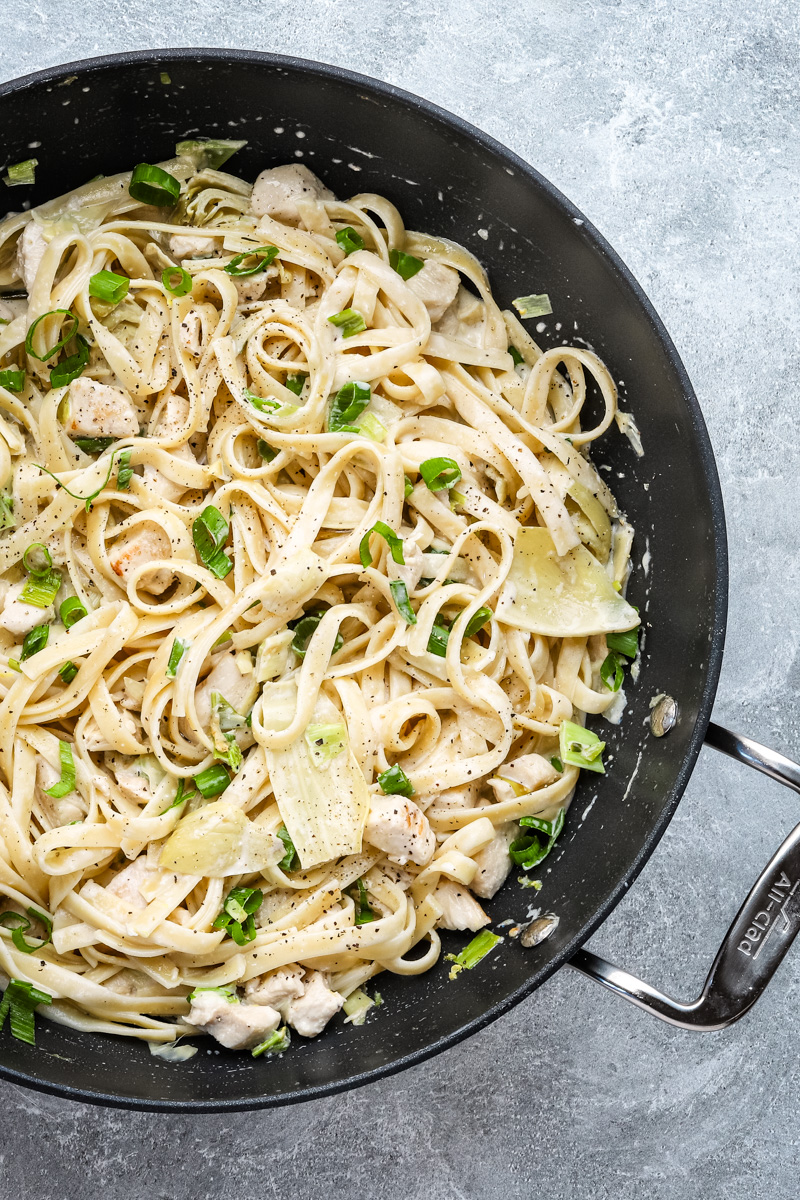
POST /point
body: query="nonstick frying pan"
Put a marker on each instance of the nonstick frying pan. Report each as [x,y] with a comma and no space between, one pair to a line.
[104,115]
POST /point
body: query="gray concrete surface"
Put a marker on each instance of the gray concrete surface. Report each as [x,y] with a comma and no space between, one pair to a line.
[674,126]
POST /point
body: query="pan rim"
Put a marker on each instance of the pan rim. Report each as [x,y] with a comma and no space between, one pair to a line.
[400,96]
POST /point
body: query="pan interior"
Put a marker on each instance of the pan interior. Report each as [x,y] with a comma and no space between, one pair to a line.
[104,116]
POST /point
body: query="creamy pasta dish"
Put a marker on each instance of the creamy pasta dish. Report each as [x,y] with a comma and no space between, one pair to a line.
[307,585]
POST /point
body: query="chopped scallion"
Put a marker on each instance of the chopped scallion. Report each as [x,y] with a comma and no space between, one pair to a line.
[473,952]
[263,255]
[176,281]
[405,264]
[394,543]
[212,781]
[477,621]
[304,628]
[124,471]
[71,611]
[12,380]
[276,1043]
[236,916]
[395,782]
[290,859]
[67,782]
[48,354]
[529,849]
[347,406]
[266,451]
[152,185]
[179,648]
[90,445]
[21,173]
[626,643]
[19,1001]
[68,671]
[533,306]
[363,913]
[109,287]
[296,383]
[580,747]
[210,533]
[349,321]
[440,634]
[71,367]
[349,240]
[19,924]
[400,596]
[34,641]
[516,356]
[439,473]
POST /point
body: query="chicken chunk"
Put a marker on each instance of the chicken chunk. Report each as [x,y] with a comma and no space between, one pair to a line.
[494,862]
[239,690]
[140,545]
[190,334]
[126,884]
[460,909]
[528,773]
[277,191]
[399,828]
[30,252]
[436,285]
[99,410]
[63,809]
[251,287]
[310,1013]
[187,245]
[20,618]
[414,568]
[237,1026]
[277,989]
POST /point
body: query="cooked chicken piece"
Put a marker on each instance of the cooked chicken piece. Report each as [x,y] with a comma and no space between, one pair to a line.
[277,988]
[277,190]
[191,333]
[436,285]
[30,252]
[526,774]
[460,909]
[237,1026]
[414,567]
[99,410]
[65,809]
[464,319]
[20,618]
[460,797]
[186,245]
[143,544]
[251,287]
[310,1013]
[125,885]
[494,862]
[225,677]
[399,828]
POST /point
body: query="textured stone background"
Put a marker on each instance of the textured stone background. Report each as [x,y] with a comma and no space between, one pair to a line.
[674,127]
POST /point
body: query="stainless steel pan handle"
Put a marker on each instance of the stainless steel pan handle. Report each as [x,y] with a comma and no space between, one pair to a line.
[758,939]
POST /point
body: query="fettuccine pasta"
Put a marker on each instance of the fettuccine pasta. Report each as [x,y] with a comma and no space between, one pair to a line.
[308,584]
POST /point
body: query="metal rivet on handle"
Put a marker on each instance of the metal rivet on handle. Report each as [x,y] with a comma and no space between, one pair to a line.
[663,716]
[538,930]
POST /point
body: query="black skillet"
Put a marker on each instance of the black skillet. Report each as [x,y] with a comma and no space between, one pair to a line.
[103,116]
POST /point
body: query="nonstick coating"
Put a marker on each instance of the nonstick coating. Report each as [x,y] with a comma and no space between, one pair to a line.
[446,178]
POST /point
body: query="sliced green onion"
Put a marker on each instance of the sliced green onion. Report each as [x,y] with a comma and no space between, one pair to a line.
[21,924]
[477,621]
[624,643]
[276,1043]
[179,648]
[165,79]
[212,781]
[67,782]
[124,471]
[456,499]
[210,533]
[90,445]
[395,782]
[59,344]
[304,628]
[21,173]
[12,380]
[226,990]
[363,913]
[325,742]
[440,473]
[41,590]
[290,859]
[533,306]
[86,499]
[209,152]
[109,287]
[400,596]
[176,281]
[264,255]
[405,264]
[394,542]
[7,520]
[34,641]
[408,487]
[529,849]
[473,952]
[580,747]
[181,795]
[64,373]
[296,383]
[19,1001]
[236,916]
[349,240]
[611,671]
[151,185]
[370,426]
[266,451]
[68,671]
[516,356]
[440,633]
[347,405]
[349,321]
[37,561]
[71,611]
[556,764]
